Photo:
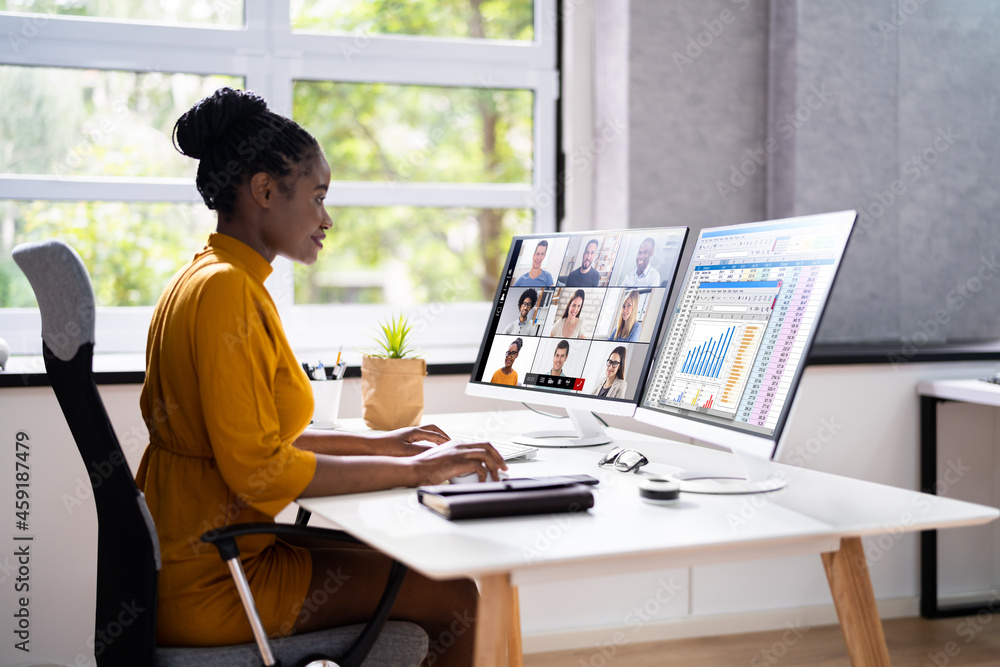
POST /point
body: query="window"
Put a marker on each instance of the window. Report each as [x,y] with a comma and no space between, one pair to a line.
[437,118]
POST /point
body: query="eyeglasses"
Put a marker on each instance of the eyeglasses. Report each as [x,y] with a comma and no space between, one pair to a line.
[510,354]
[613,363]
[623,460]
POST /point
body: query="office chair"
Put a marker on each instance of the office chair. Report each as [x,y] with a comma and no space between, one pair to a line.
[128,553]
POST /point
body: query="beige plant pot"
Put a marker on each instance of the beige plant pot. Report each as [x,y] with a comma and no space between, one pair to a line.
[392,392]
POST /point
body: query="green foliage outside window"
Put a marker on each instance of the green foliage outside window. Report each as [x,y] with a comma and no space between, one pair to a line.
[130,249]
[70,122]
[405,254]
[381,132]
[218,12]
[489,19]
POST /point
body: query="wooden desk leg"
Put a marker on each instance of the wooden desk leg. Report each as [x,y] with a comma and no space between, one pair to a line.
[492,619]
[851,586]
[514,650]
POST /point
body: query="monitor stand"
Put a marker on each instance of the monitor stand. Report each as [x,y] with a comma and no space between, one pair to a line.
[761,476]
[588,431]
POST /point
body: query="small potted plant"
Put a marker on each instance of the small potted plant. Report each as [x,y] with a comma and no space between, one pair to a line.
[392,378]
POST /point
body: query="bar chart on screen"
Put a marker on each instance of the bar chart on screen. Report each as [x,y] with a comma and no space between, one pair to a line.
[716,368]
[719,343]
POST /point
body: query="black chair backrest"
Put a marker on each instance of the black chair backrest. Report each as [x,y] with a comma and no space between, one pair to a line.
[128,555]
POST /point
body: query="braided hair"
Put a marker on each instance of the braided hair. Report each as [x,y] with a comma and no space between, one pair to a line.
[234,135]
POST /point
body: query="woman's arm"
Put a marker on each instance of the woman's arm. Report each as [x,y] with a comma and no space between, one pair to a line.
[336,475]
[401,442]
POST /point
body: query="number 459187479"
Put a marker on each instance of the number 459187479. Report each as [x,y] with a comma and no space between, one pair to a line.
[22,476]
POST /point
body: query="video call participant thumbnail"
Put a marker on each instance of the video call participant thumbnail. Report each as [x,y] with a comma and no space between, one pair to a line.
[557,365]
[523,325]
[570,325]
[536,275]
[586,275]
[628,327]
[559,358]
[507,374]
[644,275]
[613,385]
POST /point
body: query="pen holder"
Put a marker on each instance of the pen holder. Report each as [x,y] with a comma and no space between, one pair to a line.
[326,402]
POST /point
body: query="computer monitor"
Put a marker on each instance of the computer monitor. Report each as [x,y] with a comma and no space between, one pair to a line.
[733,353]
[574,323]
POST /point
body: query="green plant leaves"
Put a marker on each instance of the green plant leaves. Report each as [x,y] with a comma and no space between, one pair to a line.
[393,339]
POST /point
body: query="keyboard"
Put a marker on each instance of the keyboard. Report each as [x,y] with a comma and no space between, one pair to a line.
[508,450]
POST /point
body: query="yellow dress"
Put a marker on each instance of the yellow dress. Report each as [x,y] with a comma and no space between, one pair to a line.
[224,399]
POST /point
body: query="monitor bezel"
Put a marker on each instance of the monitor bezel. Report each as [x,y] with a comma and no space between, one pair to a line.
[575,401]
[729,436]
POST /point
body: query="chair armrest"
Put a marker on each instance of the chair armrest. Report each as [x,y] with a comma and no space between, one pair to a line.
[224,539]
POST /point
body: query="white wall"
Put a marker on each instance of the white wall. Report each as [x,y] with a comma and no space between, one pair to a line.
[858,421]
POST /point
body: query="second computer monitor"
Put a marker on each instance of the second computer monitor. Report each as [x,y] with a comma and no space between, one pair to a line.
[746,314]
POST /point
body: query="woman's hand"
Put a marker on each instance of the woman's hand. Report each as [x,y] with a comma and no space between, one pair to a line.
[439,464]
[409,441]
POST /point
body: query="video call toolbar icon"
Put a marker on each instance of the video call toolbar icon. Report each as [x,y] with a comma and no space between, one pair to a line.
[553,381]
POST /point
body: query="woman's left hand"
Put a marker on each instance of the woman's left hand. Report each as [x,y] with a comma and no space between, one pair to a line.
[410,441]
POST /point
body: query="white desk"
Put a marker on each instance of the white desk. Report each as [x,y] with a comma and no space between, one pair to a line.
[816,513]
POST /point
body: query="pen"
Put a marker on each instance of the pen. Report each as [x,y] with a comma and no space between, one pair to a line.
[319,373]
[338,354]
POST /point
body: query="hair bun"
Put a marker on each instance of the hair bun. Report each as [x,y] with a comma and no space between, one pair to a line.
[204,124]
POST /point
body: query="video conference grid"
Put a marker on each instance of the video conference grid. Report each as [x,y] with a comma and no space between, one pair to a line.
[587,328]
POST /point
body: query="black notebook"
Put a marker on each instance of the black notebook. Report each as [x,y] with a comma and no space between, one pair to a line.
[511,497]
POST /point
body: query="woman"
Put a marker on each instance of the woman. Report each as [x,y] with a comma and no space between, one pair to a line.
[507,374]
[628,329]
[226,403]
[570,325]
[614,384]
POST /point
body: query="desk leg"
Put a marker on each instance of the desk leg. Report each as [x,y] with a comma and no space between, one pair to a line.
[515,656]
[847,573]
[928,475]
[491,623]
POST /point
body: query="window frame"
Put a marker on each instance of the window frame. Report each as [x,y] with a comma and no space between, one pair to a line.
[270,56]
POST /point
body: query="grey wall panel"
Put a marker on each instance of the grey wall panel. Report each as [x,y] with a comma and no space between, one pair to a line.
[949,152]
[850,91]
[781,103]
[845,148]
[698,86]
